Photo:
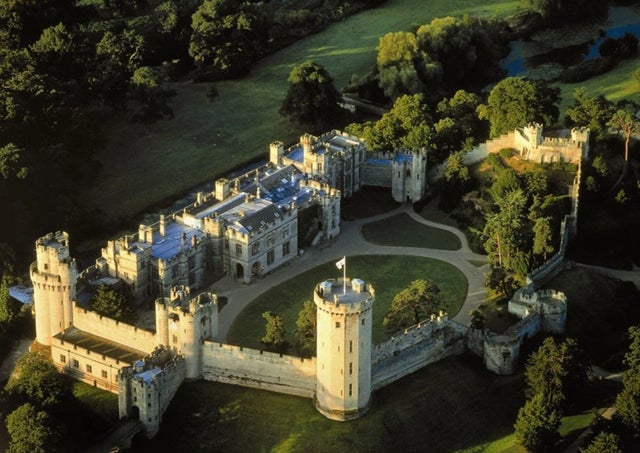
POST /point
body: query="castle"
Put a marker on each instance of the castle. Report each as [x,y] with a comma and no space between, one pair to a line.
[247,226]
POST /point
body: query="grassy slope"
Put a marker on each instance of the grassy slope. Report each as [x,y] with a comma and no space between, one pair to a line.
[143,164]
[388,274]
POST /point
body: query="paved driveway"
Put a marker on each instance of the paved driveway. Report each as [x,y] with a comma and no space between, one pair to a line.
[351,242]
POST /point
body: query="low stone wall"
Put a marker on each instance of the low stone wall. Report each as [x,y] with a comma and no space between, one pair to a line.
[125,334]
[416,348]
[259,369]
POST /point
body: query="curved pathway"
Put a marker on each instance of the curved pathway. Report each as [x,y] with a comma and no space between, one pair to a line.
[350,242]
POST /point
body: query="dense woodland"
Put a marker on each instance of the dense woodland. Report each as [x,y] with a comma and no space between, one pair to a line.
[67,65]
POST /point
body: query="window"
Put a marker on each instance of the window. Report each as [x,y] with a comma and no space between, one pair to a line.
[349,389]
[89,368]
[350,367]
[175,339]
[337,324]
[285,231]
[76,364]
[350,345]
[238,250]
[362,322]
[63,359]
[285,248]
[255,248]
[271,239]
[271,256]
[104,374]
[191,262]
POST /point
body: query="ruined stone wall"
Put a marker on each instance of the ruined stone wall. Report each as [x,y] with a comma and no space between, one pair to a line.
[125,334]
[259,369]
[417,347]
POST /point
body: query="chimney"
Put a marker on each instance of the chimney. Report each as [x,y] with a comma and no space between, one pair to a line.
[162,225]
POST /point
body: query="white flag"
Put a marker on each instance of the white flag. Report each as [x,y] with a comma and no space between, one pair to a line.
[342,262]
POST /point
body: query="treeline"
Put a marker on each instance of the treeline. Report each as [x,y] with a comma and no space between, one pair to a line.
[67,66]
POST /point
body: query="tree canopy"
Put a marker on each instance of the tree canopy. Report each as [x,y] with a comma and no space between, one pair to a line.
[593,112]
[37,380]
[312,98]
[515,102]
[275,337]
[306,329]
[31,430]
[413,304]
[112,304]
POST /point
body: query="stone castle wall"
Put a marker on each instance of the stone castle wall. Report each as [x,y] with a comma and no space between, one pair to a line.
[417,347]
[125,334]
[259,369]
[376,172]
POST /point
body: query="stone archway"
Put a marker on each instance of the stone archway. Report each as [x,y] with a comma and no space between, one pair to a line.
[255,269]
[239,271]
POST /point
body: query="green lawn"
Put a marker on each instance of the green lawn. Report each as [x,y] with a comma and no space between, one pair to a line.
[145,164]
[402,231]
[451,405]
[100,402]
[388,274]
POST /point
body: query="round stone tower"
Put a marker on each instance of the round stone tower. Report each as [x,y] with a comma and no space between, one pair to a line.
[344,313]
[54,276]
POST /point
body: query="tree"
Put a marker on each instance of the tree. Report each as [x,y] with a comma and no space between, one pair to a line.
[306,329]
[413,304]
[603,443]
[111,304]
[147,84]
[515,102]
[498,279]
[557,371]
[592,112]
[312,98]
[536,427]
[397,54]
[625,119]
[36,379]
[628,400]
[275,338]
[504,230]
[30,430]
[225,35]
[542,237]
[9,307]
[599,164]
[478,319]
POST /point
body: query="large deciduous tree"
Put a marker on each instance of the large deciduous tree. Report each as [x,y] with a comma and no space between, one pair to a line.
[628,400]
[36,379]
[515,102]
[31,430]
[225,35]
[312,99]
[413,304]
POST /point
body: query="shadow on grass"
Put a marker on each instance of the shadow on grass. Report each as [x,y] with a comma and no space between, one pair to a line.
[451,405]
[402,231]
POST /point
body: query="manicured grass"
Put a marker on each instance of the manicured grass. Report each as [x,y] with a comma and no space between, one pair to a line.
[451,405]
[145,164]
[367,202]
[388,274]
[100,402]
[615,85]
[401,230]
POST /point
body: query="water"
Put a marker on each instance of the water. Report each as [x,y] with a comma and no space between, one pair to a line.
[516,64]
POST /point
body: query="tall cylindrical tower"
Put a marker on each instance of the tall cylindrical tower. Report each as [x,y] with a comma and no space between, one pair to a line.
[54,276]
[344,314]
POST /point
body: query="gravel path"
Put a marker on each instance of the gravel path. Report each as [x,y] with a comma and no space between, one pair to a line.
[350,242]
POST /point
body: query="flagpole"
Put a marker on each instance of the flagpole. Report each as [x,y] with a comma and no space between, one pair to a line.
[344,277]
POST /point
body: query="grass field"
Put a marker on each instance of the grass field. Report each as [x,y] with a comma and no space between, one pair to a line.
[388,274]
[402,231]
[451,405]
[145,164]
